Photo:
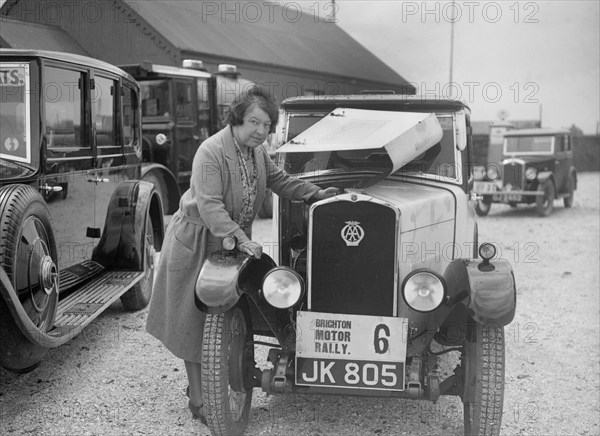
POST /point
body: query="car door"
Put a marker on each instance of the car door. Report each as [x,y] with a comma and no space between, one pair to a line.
[185,124]
[562,156]
[69,160]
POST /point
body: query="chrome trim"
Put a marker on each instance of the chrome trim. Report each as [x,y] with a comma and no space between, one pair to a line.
[352,197]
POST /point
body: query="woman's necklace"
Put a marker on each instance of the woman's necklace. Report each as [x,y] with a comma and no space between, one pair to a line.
[245,160]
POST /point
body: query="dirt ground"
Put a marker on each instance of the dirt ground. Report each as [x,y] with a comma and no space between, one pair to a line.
[116,379]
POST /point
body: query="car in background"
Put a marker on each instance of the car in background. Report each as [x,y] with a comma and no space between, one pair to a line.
[181,107]
[372,286]
[537,169]
[78,229]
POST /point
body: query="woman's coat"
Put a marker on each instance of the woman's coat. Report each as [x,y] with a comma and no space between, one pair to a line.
[207,213]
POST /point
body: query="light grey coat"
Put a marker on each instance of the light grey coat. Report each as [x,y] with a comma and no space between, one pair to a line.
[207,212]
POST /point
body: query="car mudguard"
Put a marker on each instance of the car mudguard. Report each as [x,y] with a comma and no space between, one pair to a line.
[487,290]
[173,194]
[544,175]
[226,276]
[122,242]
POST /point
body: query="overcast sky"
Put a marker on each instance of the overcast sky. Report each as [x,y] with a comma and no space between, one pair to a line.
[517,57]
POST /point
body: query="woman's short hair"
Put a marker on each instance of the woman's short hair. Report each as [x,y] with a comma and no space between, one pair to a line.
[255,95]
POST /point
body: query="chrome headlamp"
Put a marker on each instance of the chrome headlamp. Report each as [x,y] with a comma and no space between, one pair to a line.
[161,139]
[487,251]
[283,287]
[492,173]
[531,173]
[423,290]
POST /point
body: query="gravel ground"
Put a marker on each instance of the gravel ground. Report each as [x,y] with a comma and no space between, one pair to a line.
[116,379]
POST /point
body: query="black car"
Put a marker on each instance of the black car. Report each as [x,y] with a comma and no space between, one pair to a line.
[537,169]
[78,230]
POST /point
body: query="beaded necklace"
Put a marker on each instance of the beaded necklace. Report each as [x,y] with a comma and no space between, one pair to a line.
[249,179]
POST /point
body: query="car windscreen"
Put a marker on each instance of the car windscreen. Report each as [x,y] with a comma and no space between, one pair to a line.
[440,160]
[15,135]
[529,144]
[156,103]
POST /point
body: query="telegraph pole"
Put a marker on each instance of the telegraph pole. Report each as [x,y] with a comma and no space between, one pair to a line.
[451,49]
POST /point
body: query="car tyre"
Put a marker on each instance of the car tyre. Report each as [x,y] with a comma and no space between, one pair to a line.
[227,365]
[483,396]
[139,295]
[568,199]
[28,255]
[544,204]
[482,207]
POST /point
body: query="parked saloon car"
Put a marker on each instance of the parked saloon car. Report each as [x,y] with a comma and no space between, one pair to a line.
[538,168]
[77,229]
[374,284]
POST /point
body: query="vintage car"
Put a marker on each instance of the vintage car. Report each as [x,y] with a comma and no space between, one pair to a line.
[78,230]
[537,168]
[371,286]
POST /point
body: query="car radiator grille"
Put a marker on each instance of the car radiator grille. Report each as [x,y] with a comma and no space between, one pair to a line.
[513,174]
[359,278]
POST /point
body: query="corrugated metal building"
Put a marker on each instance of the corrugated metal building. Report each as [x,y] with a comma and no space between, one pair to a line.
[290,51]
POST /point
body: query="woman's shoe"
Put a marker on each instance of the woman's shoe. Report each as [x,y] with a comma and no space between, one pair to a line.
[197,411]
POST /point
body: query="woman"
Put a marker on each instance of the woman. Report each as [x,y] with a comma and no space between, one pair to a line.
[230,174]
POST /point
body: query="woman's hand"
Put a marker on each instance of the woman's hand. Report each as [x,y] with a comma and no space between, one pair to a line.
[252,248]
[322,194]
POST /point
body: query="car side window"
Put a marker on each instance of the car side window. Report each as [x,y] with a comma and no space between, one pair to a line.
[63,93]
[128,109]
[103,119]
[185,108]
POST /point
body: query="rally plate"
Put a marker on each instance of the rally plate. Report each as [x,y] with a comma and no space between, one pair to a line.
[350,351]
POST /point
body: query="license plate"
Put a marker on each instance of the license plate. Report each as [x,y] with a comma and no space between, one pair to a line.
[484,187]
[350,351]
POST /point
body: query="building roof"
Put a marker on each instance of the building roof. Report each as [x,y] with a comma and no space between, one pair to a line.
[265,33]
[537,132]
[483,127]
[24,35]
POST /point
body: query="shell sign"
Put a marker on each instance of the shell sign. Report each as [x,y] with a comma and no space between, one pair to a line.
[14,112]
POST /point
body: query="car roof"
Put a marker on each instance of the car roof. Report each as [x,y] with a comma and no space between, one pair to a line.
[536,132]
[65,57]
[377,101]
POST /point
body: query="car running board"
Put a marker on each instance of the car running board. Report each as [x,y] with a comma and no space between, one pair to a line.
[77,310]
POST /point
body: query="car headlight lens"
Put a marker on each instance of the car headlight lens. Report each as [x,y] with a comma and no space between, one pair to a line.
[531,173]
[161,138]
[487,251]
[229,243]
[282,287]
[424,291]
[492,173]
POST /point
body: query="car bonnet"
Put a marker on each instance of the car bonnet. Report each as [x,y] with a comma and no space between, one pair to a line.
[402,135]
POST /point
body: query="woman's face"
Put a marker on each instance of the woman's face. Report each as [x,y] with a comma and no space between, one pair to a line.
[255,127]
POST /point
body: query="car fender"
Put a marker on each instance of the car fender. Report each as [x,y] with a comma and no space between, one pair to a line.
[226,276]
[173,192]
[488,291]
[545,175]
[573,173]
[122,243]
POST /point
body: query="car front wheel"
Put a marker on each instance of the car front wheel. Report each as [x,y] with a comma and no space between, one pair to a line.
[227,365]
[483,395]
[28,256]
[544,204]
[568,199]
